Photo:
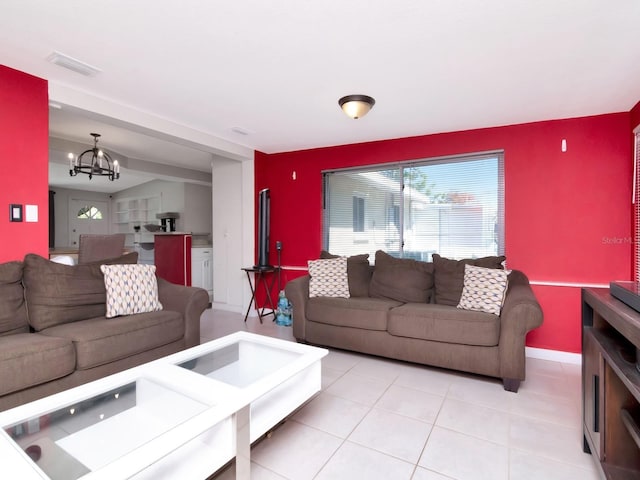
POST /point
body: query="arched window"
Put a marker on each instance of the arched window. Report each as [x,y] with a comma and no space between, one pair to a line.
[90,212]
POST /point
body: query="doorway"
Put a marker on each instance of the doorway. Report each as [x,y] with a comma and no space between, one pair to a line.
[87,216]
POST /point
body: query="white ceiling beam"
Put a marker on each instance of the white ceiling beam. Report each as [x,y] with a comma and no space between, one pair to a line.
[144,122]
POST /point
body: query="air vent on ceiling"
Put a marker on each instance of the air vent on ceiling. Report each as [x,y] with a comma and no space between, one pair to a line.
[241,131]
[71,63]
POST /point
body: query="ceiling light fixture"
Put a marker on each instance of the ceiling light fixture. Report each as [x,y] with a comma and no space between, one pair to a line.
[100,164]
[356,106]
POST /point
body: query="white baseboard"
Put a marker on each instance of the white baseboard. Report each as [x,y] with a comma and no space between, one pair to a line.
[554,355]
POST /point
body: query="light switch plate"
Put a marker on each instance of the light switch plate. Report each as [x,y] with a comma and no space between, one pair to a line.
[15,212]
[31,213]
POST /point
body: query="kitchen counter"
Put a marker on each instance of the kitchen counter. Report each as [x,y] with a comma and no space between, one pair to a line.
[73,252]
[63,251]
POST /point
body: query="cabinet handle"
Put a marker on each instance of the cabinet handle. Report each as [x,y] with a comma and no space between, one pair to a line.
[596,403]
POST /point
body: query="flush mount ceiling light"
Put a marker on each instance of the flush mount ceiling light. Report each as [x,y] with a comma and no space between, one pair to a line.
[356,106]
[96,162]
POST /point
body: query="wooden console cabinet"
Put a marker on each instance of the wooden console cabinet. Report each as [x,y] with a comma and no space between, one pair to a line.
[611,384]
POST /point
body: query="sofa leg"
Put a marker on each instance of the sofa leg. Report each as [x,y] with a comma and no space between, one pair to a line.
[511,384]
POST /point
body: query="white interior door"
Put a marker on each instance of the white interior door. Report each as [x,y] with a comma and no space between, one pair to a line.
[87,216]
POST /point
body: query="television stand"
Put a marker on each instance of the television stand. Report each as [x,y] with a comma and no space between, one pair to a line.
[611,384]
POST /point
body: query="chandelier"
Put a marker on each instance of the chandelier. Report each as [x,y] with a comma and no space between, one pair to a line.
[96,162]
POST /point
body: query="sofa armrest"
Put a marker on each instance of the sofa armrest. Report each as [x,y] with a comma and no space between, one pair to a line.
[297,292]
[520,314]
[190,302]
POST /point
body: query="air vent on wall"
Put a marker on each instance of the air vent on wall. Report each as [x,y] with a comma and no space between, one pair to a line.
[71,63]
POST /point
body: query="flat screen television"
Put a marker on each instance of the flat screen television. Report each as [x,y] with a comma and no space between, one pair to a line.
[264,213]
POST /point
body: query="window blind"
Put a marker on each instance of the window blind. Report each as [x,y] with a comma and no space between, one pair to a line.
[453,206]
[358,211]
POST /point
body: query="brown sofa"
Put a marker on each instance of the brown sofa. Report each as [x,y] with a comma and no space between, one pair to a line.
[54,334]
[406,309]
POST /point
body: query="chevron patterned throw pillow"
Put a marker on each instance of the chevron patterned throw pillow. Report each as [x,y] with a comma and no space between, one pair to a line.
[130,289]
[329,278]
[484,289]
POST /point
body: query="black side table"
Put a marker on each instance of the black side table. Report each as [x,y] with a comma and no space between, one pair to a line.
[262,278]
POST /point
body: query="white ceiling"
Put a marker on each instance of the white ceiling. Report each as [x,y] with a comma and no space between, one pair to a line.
[277,69]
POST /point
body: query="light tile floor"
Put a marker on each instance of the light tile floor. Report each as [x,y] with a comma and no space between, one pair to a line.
[383,419]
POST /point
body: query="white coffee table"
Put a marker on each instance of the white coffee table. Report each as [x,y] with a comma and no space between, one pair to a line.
[183,416]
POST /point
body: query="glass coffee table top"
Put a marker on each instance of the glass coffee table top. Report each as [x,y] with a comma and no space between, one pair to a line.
[86,435]
[189,412]
[241,363]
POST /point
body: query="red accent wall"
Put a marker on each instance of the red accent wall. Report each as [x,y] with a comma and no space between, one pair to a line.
[567,214]
[24,158]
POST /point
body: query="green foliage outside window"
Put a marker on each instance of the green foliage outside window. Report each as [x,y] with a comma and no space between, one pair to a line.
[89,212]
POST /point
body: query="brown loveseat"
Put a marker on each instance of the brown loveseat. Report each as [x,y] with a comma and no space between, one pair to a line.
[54,334]
[406,310]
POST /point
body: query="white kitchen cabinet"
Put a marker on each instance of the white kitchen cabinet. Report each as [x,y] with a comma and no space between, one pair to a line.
[202,269]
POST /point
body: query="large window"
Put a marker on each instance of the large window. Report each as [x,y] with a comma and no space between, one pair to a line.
[453,206]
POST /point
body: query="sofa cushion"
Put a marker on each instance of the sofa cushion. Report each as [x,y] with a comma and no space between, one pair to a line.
[29,359]
[401,279]
[449,276]
[443,323]
[358,273]
[103,340]
[328,278]
[13,312]
[484,289]
[365,313]
[130,289]
[58,293]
